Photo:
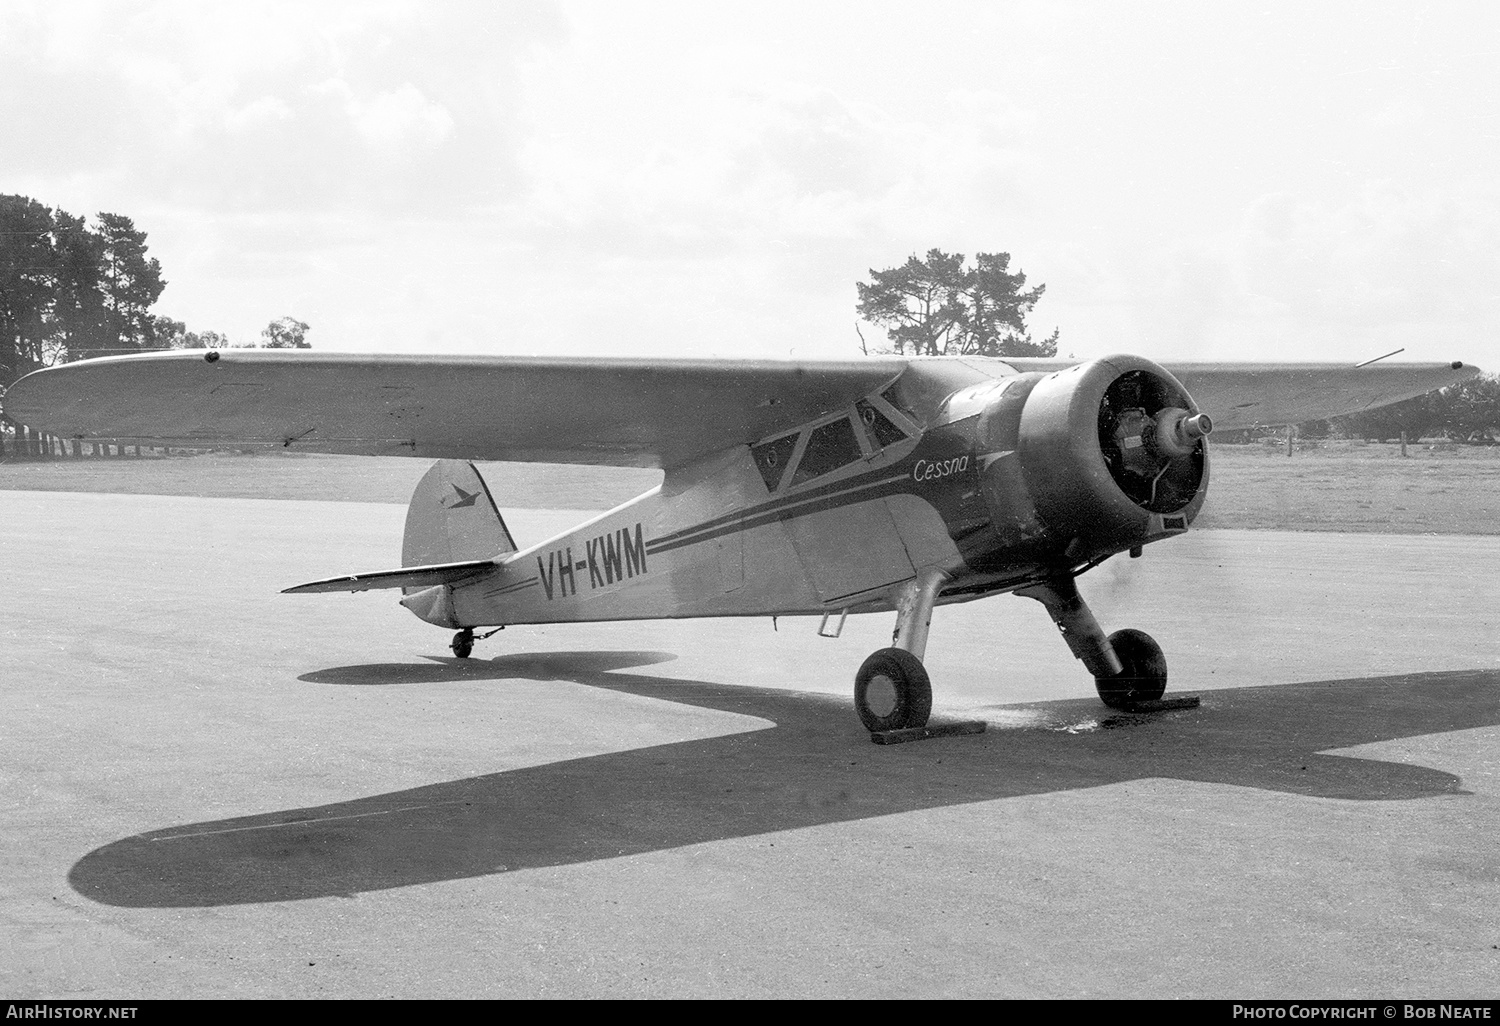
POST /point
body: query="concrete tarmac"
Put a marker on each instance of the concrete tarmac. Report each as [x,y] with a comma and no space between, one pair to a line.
[209,789]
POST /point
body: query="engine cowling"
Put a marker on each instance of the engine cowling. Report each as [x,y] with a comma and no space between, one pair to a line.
[1095,459]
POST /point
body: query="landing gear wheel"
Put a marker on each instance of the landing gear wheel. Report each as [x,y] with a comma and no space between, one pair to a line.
[1144,678]
[463,643]
[892,691]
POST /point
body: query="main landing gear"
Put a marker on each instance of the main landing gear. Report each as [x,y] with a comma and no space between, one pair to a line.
[1128,666]
[892,690]
[893,693]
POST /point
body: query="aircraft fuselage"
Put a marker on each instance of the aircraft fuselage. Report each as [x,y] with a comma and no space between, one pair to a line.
[929,474]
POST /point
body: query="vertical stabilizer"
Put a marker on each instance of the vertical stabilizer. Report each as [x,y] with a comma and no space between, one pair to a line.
[453,518]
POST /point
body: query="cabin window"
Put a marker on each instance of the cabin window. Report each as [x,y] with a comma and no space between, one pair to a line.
[890,396]
[828,448]
[772,457]
[877,424]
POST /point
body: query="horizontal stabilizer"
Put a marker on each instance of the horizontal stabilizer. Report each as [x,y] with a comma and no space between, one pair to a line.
[407,577]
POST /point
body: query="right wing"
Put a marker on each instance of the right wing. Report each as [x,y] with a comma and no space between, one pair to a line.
[603,411]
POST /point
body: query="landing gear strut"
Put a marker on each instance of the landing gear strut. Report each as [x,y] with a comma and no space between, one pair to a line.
[1128,666]
[892,690]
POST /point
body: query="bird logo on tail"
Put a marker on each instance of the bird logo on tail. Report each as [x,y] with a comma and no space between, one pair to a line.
[459,498]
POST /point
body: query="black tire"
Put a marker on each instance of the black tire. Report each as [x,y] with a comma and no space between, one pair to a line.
[1144,678]
[463,644]
[892,691]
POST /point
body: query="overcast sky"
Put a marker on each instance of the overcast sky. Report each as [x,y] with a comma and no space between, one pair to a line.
[1189,180]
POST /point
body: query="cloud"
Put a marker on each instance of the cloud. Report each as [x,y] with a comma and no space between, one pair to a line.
[1306,277]
[690,177]
[787,165]
[399,119]
[1385,258]
[268,106]
[767,209]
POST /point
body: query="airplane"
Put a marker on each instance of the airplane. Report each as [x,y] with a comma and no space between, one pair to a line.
[882,484]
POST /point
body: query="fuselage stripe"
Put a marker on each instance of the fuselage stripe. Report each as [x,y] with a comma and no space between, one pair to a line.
[786,509]
[530,582]
[846,486]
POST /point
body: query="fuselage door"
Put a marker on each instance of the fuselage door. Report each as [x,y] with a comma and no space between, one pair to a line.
[837,517]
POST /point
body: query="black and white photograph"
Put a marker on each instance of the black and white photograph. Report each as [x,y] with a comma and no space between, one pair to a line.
[556,499]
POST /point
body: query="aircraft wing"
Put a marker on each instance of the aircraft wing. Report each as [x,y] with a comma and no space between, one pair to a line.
[1240,395]
[620,412]
[603,411]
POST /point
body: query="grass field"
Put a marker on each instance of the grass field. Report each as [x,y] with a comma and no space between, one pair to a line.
[1331,486]
[1354,486]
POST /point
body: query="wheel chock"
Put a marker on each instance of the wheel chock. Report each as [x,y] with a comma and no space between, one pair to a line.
[1163,704]
[900,737]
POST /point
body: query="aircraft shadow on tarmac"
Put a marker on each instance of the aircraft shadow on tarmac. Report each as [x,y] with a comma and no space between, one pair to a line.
[812,767]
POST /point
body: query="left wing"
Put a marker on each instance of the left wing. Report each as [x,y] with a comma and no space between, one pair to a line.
[1241,395]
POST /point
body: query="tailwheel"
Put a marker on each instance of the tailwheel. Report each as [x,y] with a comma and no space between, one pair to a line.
[463,643]
[892,691]
[1144,678]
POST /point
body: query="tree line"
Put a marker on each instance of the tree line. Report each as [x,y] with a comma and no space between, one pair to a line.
[71,289]
[940,304]
[1466,412]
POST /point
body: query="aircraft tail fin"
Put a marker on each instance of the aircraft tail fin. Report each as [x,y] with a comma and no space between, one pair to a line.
[452,518]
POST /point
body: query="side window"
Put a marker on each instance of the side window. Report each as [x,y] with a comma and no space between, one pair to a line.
[828,448]
[772,457]
[878,424]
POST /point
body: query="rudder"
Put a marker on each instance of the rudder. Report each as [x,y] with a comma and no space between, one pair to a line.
[452,517]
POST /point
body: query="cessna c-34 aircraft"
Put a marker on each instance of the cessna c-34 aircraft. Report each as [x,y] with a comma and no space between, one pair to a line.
[876,485]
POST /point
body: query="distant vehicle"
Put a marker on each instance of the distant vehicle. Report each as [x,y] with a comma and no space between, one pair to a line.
[894,484]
